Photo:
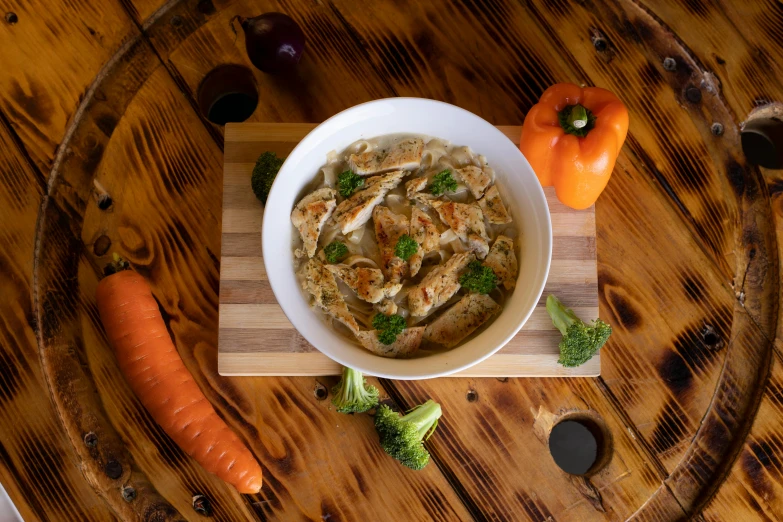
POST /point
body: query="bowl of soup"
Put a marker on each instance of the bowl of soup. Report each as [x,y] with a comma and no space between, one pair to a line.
[407,238]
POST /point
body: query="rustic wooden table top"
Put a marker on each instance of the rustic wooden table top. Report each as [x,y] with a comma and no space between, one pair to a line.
[687,239]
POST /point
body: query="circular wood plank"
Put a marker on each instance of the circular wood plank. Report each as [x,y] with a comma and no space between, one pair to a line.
[682,203]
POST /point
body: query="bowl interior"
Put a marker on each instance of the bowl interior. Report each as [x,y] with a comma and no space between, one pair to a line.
[519,187]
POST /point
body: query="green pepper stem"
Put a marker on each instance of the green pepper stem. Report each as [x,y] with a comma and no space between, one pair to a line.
[578,116]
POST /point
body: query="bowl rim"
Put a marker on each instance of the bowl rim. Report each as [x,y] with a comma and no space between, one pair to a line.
[548,235]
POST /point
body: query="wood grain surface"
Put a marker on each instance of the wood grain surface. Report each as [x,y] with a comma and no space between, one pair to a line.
[687,239]
[256,338]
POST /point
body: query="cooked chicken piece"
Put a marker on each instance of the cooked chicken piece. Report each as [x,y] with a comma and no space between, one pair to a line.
[467,221]
[424,199]
[461,320]
[320,283]
[405,155]
[493,207]
[439,285]
[311,213]
[503,261]
[475,178]
[415,185]
[388,229]
[355,211]
[405,345]
[366,282]
[426,235]
[386,307]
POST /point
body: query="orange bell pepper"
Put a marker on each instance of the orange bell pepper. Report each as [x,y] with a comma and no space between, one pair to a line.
[571,138]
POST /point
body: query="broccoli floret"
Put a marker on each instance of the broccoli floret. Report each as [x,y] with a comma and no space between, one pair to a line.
[335,252]
[264,172]
[443,182]
[347,182]
[479,278]
[352,395]
[580,340]
[402,437]
[389,327]
[406,247]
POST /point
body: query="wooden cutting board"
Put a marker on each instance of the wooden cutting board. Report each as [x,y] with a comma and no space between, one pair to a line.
[256,338]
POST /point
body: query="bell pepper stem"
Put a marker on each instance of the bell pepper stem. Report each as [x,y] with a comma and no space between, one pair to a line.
[578,117]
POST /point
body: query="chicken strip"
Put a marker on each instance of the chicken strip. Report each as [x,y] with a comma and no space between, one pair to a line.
[426,235]
[386,307]
[311,213]
[320,283]
[405,345]
[503,261]
[493,207]
[355,211]
[439,285]
[415,185]
[475,178]
[366,282]
[404,155]
[461,320]
[467,221]
[388,229]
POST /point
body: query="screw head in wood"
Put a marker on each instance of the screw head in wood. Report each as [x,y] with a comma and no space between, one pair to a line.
[202,505]
[128,493]
[472,396]
[669,64]
[717,129]
[90,440]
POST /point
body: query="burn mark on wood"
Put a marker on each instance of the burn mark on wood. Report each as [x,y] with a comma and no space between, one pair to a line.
[625,313]
[10,378]
[690,170]
[670,429]
[651,76]
[698,7]
[533,510]
[106,123]
[93,158]
[693,284]
[675,373]
[37,105]
[736,177]
[360,480]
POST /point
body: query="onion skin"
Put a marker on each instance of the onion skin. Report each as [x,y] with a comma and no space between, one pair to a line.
[274,42]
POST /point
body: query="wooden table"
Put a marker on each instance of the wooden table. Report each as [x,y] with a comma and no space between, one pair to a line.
[692,379]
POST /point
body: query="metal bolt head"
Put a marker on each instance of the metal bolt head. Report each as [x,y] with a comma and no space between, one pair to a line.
[113,469]
[717,129]
[669,64]
[693,94]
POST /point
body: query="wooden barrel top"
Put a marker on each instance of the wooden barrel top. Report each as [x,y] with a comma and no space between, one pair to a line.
[691,391]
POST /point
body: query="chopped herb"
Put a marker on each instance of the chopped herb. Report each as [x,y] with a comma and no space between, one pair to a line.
[479,278]
[443,182]
[335,252]
[348,182]
[406,247]
[389,327]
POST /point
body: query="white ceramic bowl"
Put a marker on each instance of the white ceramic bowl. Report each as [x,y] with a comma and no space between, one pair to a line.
[523,195]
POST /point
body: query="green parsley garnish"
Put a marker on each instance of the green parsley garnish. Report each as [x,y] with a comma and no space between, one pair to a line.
[389,327]
[406,247]
[348,182]
[443,182]
[479,278]
[335,252]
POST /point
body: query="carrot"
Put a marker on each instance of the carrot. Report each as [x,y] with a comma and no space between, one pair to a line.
[154,370]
